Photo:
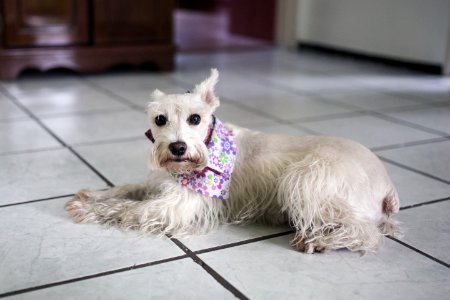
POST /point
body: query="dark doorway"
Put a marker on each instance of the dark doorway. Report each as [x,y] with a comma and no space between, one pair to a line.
[207,25]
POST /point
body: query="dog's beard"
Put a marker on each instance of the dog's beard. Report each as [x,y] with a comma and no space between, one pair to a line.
[195,159]
[181,167]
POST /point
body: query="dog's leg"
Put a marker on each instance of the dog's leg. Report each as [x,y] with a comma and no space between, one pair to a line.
[106,207]
[355,236]
[315,194]
[166,208]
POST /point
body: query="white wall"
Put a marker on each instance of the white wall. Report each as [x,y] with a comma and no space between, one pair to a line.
[415,30]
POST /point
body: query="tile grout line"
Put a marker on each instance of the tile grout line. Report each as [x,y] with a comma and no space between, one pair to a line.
[412,169]
[388,118]
[111,141]
[91,112]
[93,143]
[109,93]
[28,151]
[36,200]
[222,281]
[418,98]
[92,276]
[425,203]
[419,251]
[243,242]
[50,132]
[411,144]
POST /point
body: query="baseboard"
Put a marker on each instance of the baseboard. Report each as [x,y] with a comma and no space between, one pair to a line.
[421,67]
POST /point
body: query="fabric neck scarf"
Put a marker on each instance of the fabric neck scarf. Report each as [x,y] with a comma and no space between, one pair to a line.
[214,180]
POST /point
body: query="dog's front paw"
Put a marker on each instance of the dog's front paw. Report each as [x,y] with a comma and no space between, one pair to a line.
[308,247]
[79,207]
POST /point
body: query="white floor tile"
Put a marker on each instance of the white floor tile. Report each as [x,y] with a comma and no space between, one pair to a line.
[437,118]
[40,244]
[122,162]
[274,128]
[31,176]
[431,158]
[408,83]
[136,87]
[230,113]
[142,97]
[427,96]
[415,188]
[23,135]
[129,80]
[98,127]
[270,269]
[37,83]
[68,101]
[428,229]
[182,279]
[9,111]
[314,83]
[369,100]
[231,234]
[288,106]
[368,130]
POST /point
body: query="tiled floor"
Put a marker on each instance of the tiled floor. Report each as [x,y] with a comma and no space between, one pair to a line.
[60,133]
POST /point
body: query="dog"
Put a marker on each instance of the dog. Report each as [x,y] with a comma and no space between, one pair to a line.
[335,193]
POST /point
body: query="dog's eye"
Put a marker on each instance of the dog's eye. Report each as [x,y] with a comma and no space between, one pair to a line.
[194,119]
[160,120]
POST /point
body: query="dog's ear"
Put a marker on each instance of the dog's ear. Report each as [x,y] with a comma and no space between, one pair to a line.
[154,96]
[206,89]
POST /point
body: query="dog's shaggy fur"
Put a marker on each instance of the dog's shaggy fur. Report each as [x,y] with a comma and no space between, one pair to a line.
[334,192]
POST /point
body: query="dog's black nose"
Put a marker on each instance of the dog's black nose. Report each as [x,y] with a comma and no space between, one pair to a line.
[178,148]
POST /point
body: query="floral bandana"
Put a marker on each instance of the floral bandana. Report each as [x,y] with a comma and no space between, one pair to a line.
[214,180]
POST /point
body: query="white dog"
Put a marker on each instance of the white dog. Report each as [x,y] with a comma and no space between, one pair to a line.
[334,192]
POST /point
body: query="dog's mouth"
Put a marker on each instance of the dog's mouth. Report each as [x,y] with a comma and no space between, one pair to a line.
[180,164]
[181,160]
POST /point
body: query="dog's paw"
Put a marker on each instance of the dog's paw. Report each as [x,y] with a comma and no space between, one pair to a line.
[308,247]
[79,207]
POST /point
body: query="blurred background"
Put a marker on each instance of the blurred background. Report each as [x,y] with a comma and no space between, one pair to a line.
[93,35]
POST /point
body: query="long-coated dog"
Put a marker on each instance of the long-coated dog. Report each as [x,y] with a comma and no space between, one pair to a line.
[334,192]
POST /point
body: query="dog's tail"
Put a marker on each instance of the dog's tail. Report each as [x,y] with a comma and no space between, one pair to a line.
[391,206]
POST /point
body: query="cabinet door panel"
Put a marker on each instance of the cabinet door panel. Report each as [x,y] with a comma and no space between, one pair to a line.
[45,22]
[143,21]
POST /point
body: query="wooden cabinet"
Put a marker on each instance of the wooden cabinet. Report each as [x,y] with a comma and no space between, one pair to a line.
[31,23]
[84,35]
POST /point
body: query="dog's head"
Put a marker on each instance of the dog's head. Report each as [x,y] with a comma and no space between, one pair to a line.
[180,125]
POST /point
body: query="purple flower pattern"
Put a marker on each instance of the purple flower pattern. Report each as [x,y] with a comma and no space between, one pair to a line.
[214,180]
